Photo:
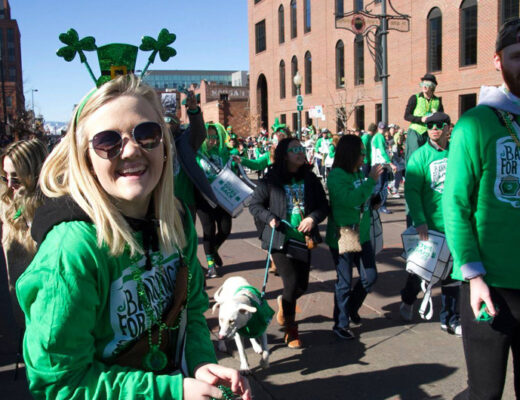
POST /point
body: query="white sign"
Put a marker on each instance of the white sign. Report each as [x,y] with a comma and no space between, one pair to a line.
[316,112]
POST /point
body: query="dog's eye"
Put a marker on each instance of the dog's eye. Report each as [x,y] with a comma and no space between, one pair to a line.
[231,321]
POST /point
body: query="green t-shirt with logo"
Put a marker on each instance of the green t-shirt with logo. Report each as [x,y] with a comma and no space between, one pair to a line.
[425,175]
[294,195]
[481,198]
[378,154]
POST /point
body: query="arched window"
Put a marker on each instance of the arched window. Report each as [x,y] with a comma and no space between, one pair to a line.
[307,16]
[359,60]
[282,79]
[294,26]
[508,9]
[434,45]
[358,5]
[468,33]
[308,73]
[281,25]
[340,64]
[340,9]
[294,68]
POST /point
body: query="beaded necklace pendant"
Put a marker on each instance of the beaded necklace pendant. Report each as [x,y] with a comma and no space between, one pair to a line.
[155,359]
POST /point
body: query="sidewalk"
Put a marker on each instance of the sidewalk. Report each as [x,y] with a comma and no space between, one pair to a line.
[389,360]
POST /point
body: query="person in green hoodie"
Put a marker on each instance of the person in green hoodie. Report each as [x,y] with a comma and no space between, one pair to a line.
[216,222]
[481,203]
[114,299]
[425,177]
[350,194]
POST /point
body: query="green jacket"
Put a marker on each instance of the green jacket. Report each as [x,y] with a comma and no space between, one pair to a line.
[367,142]
[82,309]
[425,175]
[424,108]
[258,164]
[481,199]
[347,193]
[378,150]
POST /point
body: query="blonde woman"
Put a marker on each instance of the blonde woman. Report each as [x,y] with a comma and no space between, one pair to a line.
[114,297]
[19,197]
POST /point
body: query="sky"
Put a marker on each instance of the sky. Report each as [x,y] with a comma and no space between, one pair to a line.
[211,34]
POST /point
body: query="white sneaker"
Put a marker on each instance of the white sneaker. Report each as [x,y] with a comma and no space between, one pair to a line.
[396,195]
[406,311]
[457,330]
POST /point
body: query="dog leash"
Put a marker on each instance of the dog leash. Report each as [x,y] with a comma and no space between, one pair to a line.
[267,262]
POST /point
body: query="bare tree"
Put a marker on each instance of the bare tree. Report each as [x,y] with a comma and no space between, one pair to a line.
[344,108]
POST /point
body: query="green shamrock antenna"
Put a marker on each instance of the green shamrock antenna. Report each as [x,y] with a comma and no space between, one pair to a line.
[158,46]
[77,46]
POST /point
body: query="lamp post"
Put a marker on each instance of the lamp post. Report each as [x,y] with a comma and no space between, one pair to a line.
[32,98]
[297,79]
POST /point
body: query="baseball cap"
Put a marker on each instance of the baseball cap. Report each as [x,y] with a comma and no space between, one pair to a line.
[508,34]
[381,125]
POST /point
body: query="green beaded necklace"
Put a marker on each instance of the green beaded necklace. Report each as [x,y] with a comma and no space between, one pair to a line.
[155,359]
[227,393]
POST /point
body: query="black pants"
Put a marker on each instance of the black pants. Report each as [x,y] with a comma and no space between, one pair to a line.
[216,225]
[486,345]
[295,278]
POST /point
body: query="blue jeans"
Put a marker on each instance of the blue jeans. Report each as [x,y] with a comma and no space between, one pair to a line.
[381,187]
[347,301]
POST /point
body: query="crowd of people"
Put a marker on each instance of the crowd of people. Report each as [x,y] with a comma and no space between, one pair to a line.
[100,242]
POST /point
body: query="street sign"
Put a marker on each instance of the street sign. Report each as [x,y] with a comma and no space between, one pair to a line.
[399,24]
[357,22]
[299,108]
[299,100]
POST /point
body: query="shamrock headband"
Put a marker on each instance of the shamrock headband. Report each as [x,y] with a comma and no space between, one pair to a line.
[115,59]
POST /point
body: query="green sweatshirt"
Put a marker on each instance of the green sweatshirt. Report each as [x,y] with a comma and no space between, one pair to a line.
[367,142]
[347,193]
[82,309]
[425,176]
[258,164]
[481,199]
[219,158]
[378,154]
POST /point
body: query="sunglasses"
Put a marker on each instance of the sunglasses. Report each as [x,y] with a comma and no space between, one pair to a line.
[297,149]
[433,125]
[427,84]
[14,181]
[109,144]
[212,137]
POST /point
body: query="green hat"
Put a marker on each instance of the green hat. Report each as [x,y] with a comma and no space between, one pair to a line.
[116,59]
[277,125]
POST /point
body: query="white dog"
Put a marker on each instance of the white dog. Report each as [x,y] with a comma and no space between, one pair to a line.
[236,309]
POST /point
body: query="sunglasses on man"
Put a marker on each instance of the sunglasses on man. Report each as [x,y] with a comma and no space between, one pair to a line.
[109,144]
[433,125]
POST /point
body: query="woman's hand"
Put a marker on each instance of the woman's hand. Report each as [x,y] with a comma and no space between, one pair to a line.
[215,374]
[274,223]
[375,171]
[306,225]
[422,230]
[195,389]
[479,292]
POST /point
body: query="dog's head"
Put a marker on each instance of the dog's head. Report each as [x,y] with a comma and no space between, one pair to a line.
[232,316]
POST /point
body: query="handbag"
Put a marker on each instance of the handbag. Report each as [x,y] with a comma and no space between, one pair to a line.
[298,250]
[348,241]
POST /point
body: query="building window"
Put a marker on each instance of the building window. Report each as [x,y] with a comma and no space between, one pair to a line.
[434,44]
[340,64]
[12,74]
[468,33]
[358,5]
[340,8]
[260,36]
[282,79]
[283,118]
[9,102]
[379,112]
[294,122]
[467,101]
[294,69]
[281,25]
[224,97]
[359,60]
[307,16]
[378,64]
[508,9]
[360,117]
[308,73]
[294,27]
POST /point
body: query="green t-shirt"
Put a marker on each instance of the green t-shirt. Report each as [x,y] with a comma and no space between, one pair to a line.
[82,309]
[378,154]
[367,141]
[481,198]
[294,194]
[425,175]
[348,192]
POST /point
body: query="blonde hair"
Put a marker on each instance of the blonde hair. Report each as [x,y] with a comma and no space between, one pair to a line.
[67,171]
[27,157]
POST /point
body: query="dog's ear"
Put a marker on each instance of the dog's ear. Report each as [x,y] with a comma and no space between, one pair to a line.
[216,296]
[215,306]
[244,307]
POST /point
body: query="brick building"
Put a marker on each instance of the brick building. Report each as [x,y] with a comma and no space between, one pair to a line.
[11,82]
[453,39]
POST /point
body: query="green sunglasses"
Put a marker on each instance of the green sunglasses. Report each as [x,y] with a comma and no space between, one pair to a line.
[432,125]
[297,149]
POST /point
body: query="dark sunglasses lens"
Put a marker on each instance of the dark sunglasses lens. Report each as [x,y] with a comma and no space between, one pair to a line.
[4,179]
[107,144]
[148,135]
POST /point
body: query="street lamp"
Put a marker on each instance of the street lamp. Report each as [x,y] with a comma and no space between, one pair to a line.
[297,79]
[32,98]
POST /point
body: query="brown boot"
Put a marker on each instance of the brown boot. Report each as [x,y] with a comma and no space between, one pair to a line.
[291,337]
[279,315]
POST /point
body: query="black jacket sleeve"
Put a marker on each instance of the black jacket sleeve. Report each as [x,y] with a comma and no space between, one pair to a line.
[257,205]
[319,204]
[410,107]
[198,130]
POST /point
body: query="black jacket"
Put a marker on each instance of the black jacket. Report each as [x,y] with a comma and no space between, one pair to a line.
[269,201]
